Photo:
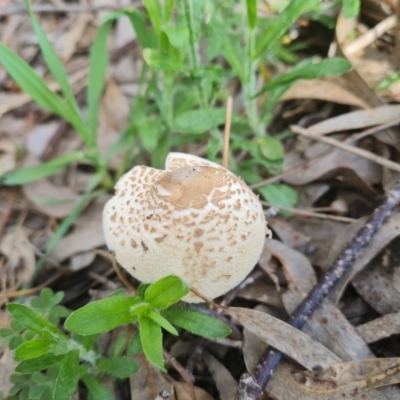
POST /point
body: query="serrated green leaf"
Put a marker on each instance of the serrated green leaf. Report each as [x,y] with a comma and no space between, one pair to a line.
[102,316]
[163,61]
[121,367]
[159,320]
[96,390]
[38,364]
[33,349]
[67,379]
[199,121]
[98,62]
[351,8]
[151,339]
[166,291]
[196,322]
[31,174]
[34,321]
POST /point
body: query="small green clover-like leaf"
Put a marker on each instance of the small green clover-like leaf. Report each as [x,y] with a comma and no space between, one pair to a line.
[271,148]
[34,321]
[166,291]
[33,349]
[121,367]
[196,322]
[103,315]
[151,339]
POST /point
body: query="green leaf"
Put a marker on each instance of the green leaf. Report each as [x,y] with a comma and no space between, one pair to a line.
[178,36]
[145,37]
[351,8]
[154,10]
[271,148]
[279,194]
[67,379]
[196,322]
[96,390]
[163,61]
[55,66]
[102,316]
[166,291]
[135,346]
[251,13]
[281,24]
[310,69]
[33,349]
[151,339]
[231,48]
[38,364]
[31,174]
[388,81]
[142,289]
[34,321]
[159,320]
[121,367]
[199,121]
[149,132]
[32,84]
[98,62]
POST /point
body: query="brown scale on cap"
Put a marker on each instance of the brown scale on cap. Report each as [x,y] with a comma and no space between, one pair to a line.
[196,220]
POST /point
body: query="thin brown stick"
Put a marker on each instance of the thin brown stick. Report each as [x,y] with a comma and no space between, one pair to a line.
[227,132]
[308,213]
[122,278]
[351,149]
[371,35]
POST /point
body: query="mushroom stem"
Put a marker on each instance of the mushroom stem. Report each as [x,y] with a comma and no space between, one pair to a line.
[270,360]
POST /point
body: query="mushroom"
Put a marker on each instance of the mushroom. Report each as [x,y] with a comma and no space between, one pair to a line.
[195,219]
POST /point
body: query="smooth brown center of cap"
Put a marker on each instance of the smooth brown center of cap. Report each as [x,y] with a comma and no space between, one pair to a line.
[190,186]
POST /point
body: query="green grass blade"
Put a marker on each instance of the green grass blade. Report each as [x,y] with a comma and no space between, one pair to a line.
[30,82]
[97,74]
[154,10]
[31,174]
[280,25]
[54,64]
[251,6]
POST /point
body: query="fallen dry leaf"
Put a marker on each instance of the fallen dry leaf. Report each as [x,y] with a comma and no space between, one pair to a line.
[184,392]
[280,335]
[225,382]
[326,90]
[7,368]
[356,120]
[16,247]
[380,328]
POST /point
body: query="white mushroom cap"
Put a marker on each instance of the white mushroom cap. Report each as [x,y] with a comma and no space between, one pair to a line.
[196,220]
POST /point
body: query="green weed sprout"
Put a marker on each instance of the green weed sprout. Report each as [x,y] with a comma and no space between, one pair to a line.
[51,360]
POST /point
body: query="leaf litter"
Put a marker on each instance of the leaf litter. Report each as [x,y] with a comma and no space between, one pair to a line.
[332,357]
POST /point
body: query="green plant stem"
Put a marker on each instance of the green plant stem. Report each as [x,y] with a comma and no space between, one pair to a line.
[249,84]
[194,58]
[168,98]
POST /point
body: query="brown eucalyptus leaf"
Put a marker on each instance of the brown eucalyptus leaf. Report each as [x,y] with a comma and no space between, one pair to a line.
[287,385]
[285,338]
[185,392]
[356,120]
[16,247]
[263,293]
[148,381]
[225,382]
[325,90]
[327,163]
[380,328]
[7,368]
